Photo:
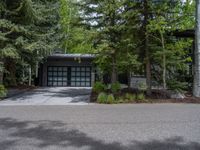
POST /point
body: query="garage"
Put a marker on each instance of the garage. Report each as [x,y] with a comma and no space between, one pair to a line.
[67,70]
[69,76]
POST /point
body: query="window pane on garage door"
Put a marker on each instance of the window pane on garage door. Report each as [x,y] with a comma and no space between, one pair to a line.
[81,76]
[57,76]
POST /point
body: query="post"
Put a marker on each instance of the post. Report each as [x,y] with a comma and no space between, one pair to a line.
[196,84]
[37,65]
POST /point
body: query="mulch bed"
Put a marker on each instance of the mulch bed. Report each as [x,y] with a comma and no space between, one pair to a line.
[22,87]
[157,96]
[191,100]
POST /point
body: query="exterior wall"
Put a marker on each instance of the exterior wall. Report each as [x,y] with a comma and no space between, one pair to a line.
[136,81]
[65,63]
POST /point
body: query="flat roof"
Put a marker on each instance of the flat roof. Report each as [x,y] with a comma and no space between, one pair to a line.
[84,56]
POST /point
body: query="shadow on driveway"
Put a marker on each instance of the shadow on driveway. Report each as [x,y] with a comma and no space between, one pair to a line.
[52,133]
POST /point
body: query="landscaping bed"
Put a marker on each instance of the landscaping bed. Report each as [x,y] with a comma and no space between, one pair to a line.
[152,99]
[103,95]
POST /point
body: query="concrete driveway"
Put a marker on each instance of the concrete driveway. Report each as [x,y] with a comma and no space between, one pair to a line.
[100,127]
[51,96]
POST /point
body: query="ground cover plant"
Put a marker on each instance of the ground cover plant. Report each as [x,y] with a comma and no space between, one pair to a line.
[3,91]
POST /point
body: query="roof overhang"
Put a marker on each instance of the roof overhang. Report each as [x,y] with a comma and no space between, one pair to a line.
[72,56]
[190,33]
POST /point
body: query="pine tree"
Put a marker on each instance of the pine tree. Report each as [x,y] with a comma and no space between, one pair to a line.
[27,32]
[170,54]
[106,17]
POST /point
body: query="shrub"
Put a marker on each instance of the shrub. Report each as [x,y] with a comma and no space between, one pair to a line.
[99,87]
[3,91]
[119,99]
[110,99]
[130,97]
[115,87]
[177,86]
[102,98]
[141,97]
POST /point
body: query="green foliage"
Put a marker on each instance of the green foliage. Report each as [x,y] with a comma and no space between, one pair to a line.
[177,86]
[3,91]
[76,38]
[140,97]
[99,87]
[130,97]
[28,32]
[115,87]
[102,98]
[110,99]
[120,99]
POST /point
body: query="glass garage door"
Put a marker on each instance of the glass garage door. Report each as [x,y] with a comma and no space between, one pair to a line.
[81,76]
[58,76]
[69,76]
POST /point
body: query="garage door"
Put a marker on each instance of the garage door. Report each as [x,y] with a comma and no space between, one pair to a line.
[69,76]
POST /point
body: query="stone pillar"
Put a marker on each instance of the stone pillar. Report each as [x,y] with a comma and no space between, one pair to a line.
[92,77]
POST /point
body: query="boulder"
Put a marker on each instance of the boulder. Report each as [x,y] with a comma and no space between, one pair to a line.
[176,95]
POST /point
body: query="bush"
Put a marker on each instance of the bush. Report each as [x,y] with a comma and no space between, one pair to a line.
[99,87]
[102,98]
[177,86]
[115,87]
[141,97]
[3,91]
[130,97]
[110,99]
[119,99]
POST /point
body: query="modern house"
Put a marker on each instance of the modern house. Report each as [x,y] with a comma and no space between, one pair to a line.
[67,70]
[74,70]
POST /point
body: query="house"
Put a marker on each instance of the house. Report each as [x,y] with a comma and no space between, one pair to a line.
[67,70]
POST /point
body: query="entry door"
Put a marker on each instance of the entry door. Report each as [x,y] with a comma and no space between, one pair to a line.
[58,76]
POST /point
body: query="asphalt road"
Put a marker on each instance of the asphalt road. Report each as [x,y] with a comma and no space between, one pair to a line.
[100,127]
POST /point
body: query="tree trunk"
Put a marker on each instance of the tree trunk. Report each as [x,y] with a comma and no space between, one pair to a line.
[114,71]
[196,84]
[30,76]
[164,62]
[148,66]
[129,79]
[146,48]
[1,71]
[10,75]
[36,69]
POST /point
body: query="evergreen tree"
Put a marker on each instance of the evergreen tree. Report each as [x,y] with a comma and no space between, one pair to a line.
[169,53]
[110,42]
[27,33]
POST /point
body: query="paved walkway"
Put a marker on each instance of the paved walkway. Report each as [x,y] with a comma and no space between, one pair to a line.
[51,96]
[100,127]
